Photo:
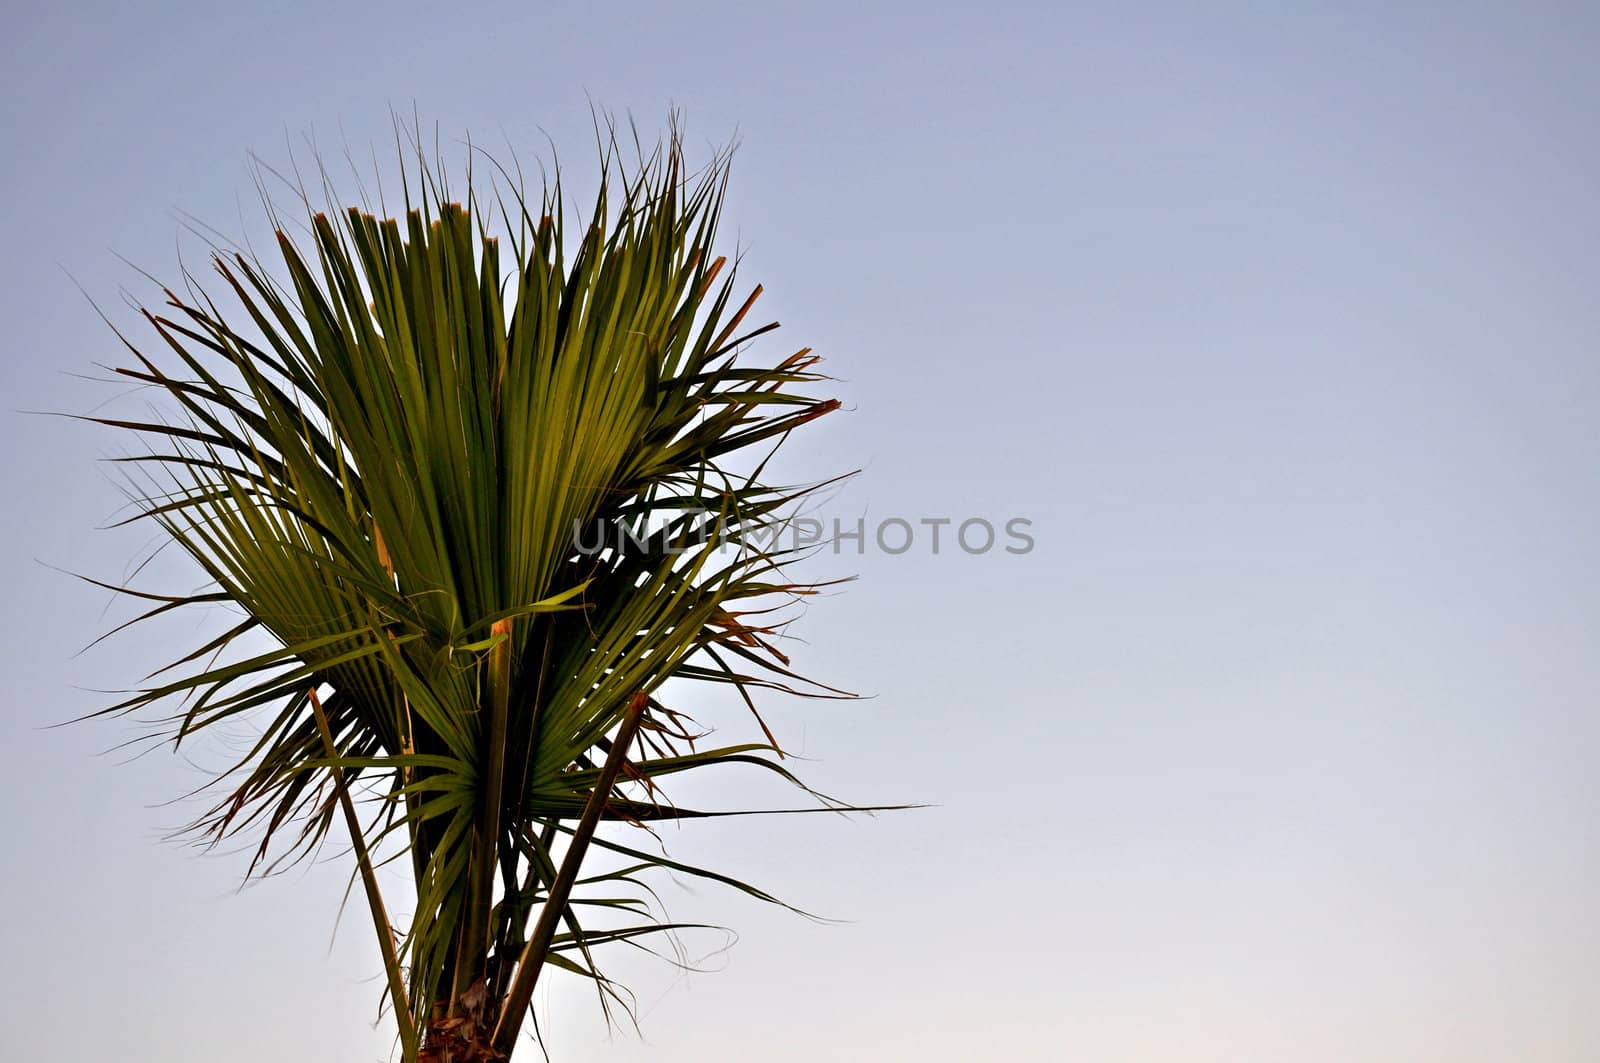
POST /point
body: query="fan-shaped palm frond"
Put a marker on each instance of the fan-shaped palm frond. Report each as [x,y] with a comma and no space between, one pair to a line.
[486,495]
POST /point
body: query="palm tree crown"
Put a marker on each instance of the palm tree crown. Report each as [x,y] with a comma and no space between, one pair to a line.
[388,457]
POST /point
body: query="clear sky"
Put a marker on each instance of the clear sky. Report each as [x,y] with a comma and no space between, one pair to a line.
[1277,320]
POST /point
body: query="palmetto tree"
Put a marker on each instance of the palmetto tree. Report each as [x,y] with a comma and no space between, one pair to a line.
[485,496]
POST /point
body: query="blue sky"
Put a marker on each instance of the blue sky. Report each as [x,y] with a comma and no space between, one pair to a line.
[1276,320]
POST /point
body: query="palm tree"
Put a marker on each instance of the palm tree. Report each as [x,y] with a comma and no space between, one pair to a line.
[483,498]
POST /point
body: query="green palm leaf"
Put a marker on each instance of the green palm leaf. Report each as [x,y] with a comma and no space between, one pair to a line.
[385,455]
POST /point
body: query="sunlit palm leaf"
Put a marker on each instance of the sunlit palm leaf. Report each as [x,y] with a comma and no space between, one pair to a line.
[386,458]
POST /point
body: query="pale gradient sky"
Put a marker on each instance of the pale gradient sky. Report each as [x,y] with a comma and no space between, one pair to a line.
[1278,320]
